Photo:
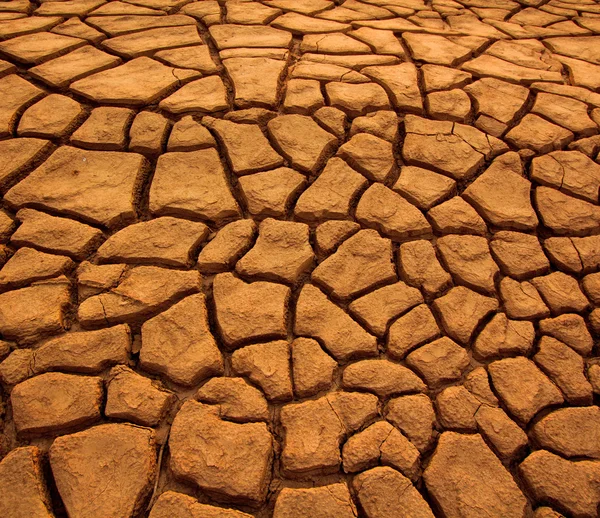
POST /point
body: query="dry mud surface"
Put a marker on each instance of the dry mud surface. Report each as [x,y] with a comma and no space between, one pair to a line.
[299,258]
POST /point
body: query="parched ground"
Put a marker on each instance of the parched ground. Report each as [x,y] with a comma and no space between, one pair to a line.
[299,258]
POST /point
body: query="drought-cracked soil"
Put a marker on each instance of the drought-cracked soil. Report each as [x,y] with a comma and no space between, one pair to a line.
[299,258]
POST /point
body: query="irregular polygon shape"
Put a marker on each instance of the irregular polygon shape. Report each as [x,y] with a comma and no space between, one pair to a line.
[303,96]
[382,124]
[436,49]
[312,367]
[486,65]
[566,215]
[465,476]
[469,260]
[247,149]
[456,216]
[453,105]
[76,28]
[358,99]
[88,352]
[242,454]
[237,399]
[98,186]
[414,416]
[422,187]
[140,292]
[519,255]
[572,486]
[68,7]
[232,36]
[384,42]
[318,317]
[522,300]
[498,99]
[282,252]
[192,184]
[568,171]
[561,292]
[189,135]
[330,234]
[383,492]
[522,387]
[84,61]
[443,152]
[28,265]
[326,422]
[116,25]
[16,94]
[439,362]
[566,369]
[316,502]
[178,343]
[255,80]
[380,443]
[361,263]
[197,57]
[55,402]
[32,49]
[249,311]
[52,117]
[502,195]
[135,398]
[461,310]
[203,95]
[421,267]
[401,84]
[503,337]
[538,134]
[268,366]
[169,241]
[28,314]
[456,409]
[105,129]
[334,43]
[148,133]
[378,308]
[370,155]
[301,140]
[18,154]
[229,244]
[382,377]
[106,471]
[176,505]
[324,72]
[301,24]
[507,438]
[411,330]
[570,329]
[55,235]
[566,112]
[146,42]
[25,493]
[20,26]
[249,14]
[270,193]
[382,208]
[436,77]
[135,83]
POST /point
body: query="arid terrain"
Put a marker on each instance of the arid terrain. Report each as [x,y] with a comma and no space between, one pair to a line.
[299,259]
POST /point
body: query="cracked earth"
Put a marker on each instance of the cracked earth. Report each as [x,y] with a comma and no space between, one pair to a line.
[299,258]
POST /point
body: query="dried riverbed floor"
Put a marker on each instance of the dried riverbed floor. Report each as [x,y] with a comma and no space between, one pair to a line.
[299,258]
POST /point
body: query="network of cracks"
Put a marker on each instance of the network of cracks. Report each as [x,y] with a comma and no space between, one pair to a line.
[299,258]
